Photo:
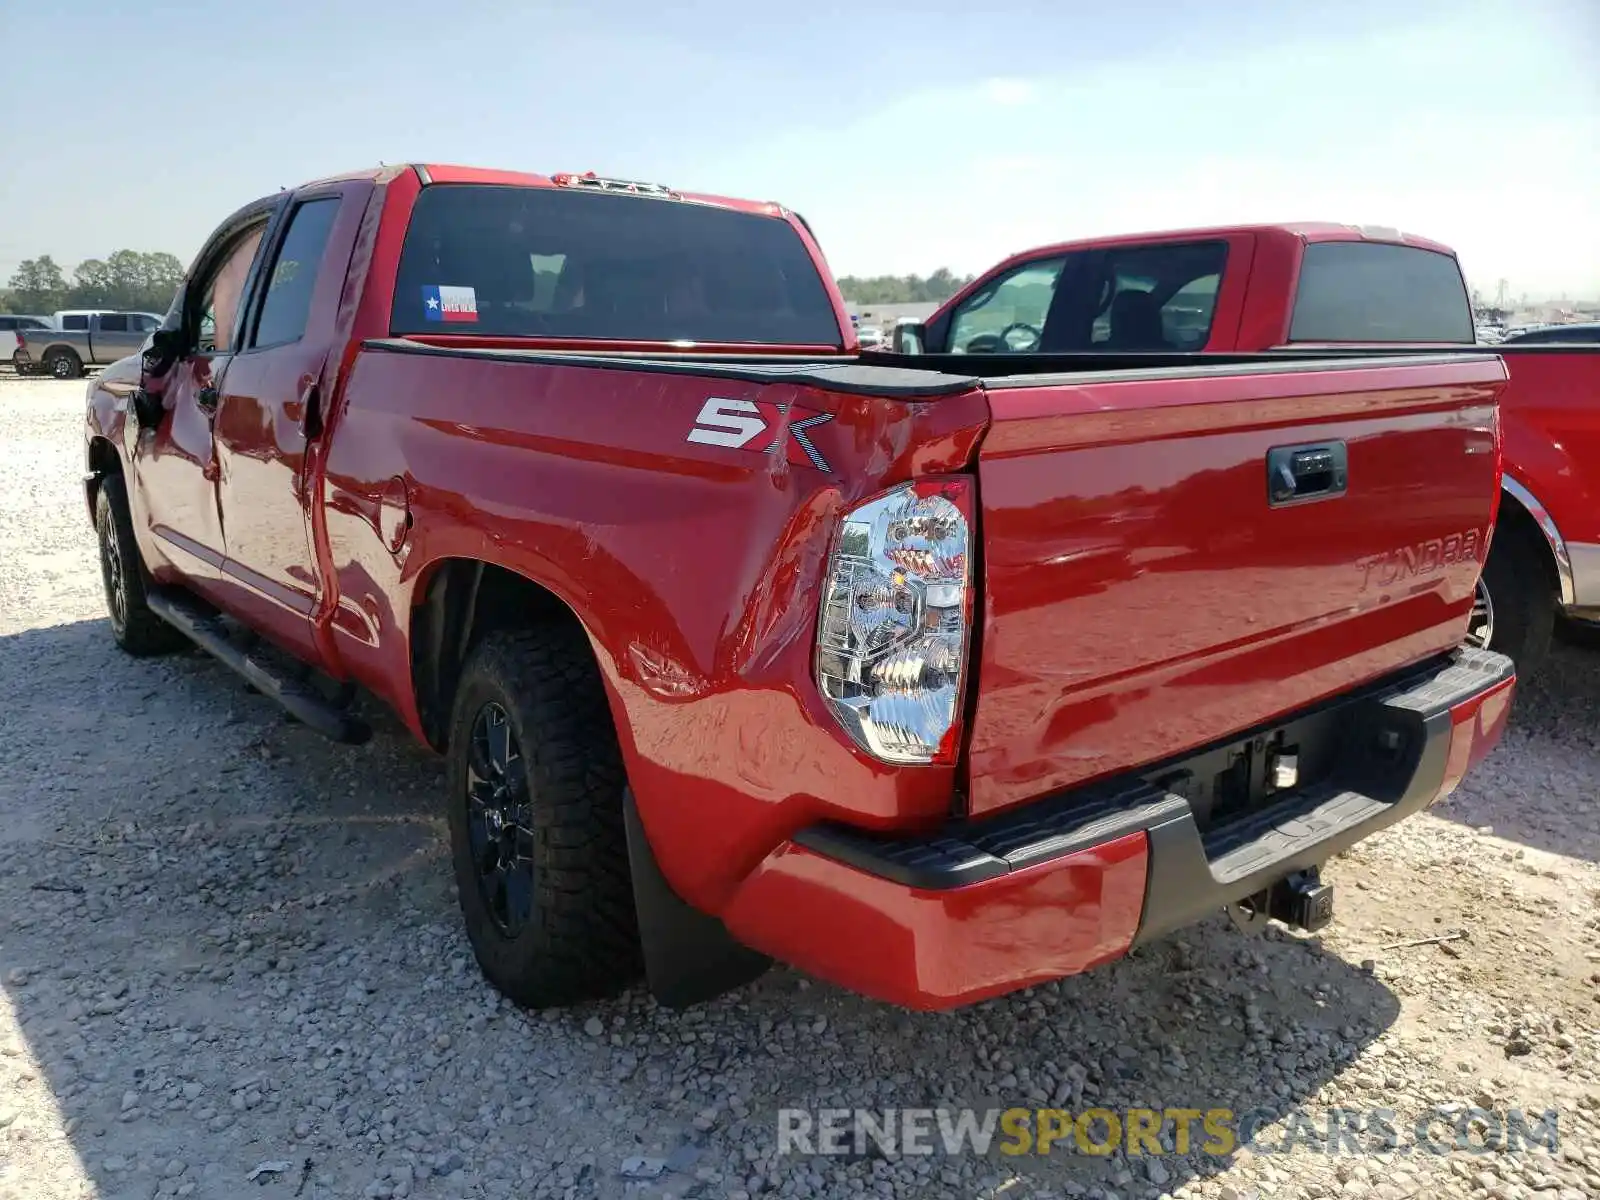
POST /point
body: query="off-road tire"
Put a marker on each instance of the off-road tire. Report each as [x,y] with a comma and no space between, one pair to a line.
[581,941]
[136,629]
[64,364]
[1524,601]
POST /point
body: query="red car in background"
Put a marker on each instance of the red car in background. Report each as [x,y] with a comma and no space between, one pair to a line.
[1324,289]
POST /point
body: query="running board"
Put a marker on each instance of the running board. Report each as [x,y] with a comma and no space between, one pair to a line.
[208,632]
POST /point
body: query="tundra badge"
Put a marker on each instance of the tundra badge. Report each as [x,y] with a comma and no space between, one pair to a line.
[1421,558]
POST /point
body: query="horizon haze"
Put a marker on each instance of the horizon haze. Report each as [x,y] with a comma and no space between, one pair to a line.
[950,140]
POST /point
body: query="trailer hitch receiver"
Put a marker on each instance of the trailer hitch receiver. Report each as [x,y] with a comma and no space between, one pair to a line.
[1301,901]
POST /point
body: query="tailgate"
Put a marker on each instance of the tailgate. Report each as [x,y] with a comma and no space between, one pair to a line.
[1172,557]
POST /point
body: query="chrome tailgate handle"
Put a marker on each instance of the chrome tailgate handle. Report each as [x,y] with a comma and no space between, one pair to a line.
[1316,472]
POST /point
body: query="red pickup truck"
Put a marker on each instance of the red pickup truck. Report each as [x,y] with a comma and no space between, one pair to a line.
[1325,288]
[934,683]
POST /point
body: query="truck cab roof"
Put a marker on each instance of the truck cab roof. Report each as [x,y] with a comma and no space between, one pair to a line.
[455,173]
[1246,286]
[1306,232]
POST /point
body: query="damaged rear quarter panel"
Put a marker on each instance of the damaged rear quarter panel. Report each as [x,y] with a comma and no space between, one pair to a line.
[695,568]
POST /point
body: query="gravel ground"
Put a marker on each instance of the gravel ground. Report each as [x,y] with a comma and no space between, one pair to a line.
[224,942]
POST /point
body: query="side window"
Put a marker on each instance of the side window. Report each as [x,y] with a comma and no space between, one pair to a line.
[1007,315]
[219,306]
[294,276]
[75,321]
[1186,316]
[114,323]
[143,324]
[1157,298]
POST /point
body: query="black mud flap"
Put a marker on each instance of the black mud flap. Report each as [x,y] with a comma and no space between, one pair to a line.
[689,958]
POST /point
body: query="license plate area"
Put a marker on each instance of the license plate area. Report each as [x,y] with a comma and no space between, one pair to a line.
[1240,777]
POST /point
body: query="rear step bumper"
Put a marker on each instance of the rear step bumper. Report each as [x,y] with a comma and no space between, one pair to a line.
[983,907]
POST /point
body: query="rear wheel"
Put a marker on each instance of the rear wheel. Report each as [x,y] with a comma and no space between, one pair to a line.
[536,825]
[64,364]
[135,628]
[1480,628]
[1520,602]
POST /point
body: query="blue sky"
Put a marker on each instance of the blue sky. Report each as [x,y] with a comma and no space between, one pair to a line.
[911,136]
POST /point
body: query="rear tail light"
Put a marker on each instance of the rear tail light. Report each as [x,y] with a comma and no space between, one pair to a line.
[21,341]
[892,631]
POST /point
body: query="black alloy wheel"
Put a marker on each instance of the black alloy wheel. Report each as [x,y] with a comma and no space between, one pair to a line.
[500,820]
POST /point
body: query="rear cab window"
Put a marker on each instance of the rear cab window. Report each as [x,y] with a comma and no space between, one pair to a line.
[1380,292]
[516,261]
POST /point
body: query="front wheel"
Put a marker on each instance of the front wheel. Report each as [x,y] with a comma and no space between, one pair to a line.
[536,826]
[134,626]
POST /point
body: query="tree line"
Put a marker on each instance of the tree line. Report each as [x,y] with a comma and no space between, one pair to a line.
[144,282]
[128,279]
[903,289]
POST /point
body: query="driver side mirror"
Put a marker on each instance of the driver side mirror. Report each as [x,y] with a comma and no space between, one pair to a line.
[161,350]
[164,347]
[147,407]
[908,337]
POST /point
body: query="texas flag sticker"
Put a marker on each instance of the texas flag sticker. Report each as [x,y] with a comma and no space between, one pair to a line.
[450,303]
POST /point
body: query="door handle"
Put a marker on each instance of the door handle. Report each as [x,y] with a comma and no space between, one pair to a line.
[311,420]
[207,399]
[1319,471]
